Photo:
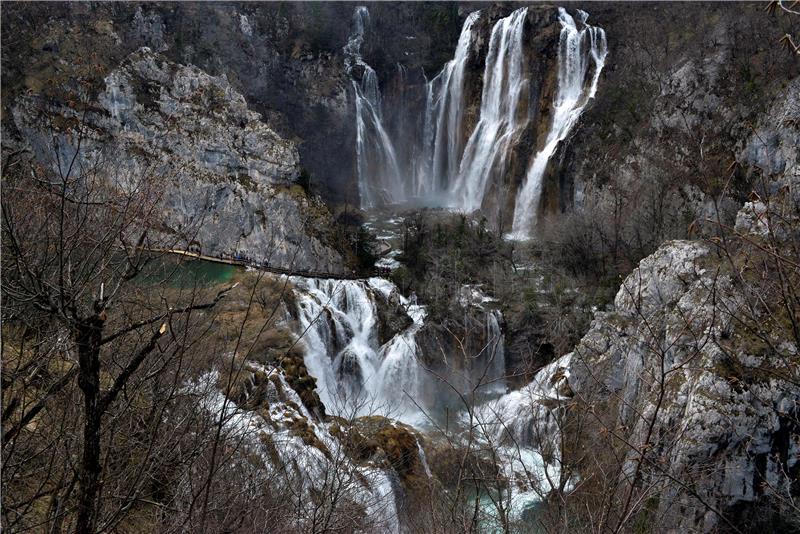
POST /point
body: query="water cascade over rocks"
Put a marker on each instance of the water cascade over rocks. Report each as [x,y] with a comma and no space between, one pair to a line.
[523,426]
[356,375]
[360,369]
[503,88]
[442,143]
[577,49]
[449,168]
[374,487]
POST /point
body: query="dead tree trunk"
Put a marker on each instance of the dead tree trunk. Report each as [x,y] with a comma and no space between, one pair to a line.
[88,337]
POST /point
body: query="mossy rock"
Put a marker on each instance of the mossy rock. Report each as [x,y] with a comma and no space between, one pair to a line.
[248,388]
[376,438]
[304,384]
[301,428]
[400,446]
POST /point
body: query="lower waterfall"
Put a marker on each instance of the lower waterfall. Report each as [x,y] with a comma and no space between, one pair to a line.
[338,323]
[524,428]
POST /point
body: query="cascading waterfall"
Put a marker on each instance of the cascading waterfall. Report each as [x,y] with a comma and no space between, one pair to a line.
[444,112]
[496,348]
[446,170]
[523,427]
[504,85]
[288,457]
[355,375]
[577,49]
[380,180]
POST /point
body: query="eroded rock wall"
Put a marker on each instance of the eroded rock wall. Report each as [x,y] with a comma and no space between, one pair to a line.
[226,181]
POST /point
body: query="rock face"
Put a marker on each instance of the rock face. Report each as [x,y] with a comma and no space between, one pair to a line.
[227,179]
[697,366]
[286,59]
[710,401]
[674,107]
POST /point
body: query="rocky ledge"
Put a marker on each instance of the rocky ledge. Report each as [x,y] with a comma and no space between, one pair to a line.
[228,182]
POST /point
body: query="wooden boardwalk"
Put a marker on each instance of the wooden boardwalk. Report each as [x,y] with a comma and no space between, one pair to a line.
[271,269]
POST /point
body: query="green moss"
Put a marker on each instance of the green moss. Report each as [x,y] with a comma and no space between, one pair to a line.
[305,385]
[645,519]
[269,446]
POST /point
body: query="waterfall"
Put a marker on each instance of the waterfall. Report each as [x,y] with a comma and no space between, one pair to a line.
[444,113]
[500,119]
[380,180]
[436,155]
[355,375]
[523,428]
[440,168]
[496,347]
[577,49]
[287,457]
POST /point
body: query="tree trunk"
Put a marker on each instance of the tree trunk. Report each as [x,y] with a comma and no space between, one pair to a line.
[89,335]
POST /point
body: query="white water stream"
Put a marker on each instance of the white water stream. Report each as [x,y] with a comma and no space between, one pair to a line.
[504,87]
[380,178]
[578,50]
[442,142]
[355,374]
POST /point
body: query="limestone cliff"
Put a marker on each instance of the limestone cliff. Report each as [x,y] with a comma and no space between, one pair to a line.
[696,367]
[227,181]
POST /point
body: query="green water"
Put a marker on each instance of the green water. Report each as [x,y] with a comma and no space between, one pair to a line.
[524,516]
[183,272]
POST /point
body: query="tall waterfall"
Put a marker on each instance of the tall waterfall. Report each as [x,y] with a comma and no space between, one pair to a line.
[446,167]
[503,88]
[379,177]
[355,374]
[577,49]
[442,140]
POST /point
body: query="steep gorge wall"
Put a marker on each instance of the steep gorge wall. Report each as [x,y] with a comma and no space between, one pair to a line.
[225,183]
[285,59]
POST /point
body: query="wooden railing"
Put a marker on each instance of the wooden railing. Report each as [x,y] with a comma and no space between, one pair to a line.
[263,266]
